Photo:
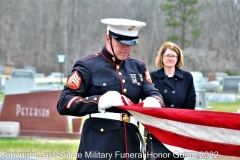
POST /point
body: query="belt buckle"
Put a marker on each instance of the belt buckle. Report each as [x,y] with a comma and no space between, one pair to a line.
[125,117]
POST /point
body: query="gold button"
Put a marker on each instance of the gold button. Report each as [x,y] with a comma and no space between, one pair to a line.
[120,73]
[113,58]
[101,130]
[95,99]
[104,84]
[123,81]
[125,90]
[86,98]
[118,67]
[138,84]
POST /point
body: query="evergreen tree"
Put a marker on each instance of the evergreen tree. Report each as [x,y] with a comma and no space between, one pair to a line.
[182,17]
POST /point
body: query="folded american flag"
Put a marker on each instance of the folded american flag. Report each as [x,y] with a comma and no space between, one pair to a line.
[192,133]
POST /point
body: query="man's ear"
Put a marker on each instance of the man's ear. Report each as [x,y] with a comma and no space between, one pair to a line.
[107,37]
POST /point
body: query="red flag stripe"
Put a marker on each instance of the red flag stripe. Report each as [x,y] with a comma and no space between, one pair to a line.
[192,130]
[213,134]
[194,144]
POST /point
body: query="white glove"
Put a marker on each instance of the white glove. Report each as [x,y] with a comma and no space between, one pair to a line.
[109,99]
[151,102]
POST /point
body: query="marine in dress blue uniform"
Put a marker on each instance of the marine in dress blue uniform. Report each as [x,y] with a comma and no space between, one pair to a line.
[97,80]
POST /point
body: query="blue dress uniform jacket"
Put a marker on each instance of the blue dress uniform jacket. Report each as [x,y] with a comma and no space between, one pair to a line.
[97,74]
[178,92]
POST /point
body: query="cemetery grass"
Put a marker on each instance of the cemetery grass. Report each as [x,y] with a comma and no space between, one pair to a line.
[40,148]
[1,97]
[225,106]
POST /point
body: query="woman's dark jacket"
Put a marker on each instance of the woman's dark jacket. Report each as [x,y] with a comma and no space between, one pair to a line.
[177,92]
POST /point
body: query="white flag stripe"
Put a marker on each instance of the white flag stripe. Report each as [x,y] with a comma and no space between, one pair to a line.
[201,155]
[222,135]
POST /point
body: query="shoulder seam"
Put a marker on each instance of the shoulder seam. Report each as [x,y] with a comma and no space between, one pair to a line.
[131,58]
[91,56]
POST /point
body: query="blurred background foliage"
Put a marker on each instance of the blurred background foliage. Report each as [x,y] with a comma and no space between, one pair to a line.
[34,32]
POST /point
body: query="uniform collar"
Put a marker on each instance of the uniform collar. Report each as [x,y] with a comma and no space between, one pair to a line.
[109,56]
[161,74]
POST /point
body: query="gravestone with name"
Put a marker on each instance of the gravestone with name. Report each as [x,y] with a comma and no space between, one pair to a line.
[22,81]
[37,114]
[230,83]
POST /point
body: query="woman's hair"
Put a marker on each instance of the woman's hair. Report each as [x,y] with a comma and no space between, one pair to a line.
[175,48]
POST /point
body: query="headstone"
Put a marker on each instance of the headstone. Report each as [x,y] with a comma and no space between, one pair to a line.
[201,99]
[208,86]
[1,69]
[230,84]
[212,76]
[56,75]
[221,97]
[37,114]
[220,76]
[39,75]
[0,85]
[30,68]
[9,129]
[9,67]
[22,81]
[0,108]
[22,73]
[239,87]
[197,79]
[197,76]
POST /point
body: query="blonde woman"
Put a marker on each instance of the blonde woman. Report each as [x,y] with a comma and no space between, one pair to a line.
[175,85]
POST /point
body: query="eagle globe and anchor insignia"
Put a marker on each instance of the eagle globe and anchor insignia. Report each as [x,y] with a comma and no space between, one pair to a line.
[131,28]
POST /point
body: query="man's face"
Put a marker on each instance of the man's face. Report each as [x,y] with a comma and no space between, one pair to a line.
[121,51]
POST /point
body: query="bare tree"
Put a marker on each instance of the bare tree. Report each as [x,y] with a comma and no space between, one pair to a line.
[34,32]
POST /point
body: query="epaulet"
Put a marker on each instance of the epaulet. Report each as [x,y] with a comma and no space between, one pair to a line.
[131,58]
[91,56]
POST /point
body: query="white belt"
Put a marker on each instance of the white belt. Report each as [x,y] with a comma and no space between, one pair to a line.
[114,116]
[118,116]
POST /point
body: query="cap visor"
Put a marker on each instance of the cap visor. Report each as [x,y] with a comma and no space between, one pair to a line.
[133,42]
